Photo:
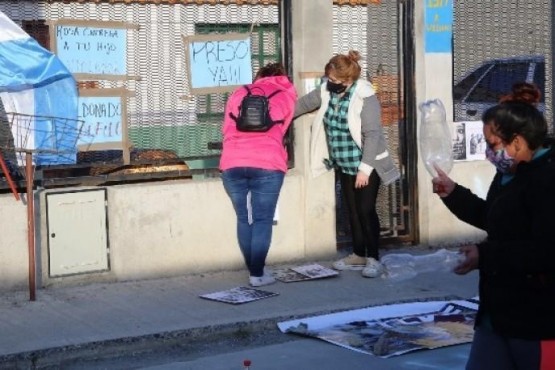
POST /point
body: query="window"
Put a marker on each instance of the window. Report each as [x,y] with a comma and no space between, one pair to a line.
[539,78]
[38,29]
[498,81]
[265,48]
[464,86]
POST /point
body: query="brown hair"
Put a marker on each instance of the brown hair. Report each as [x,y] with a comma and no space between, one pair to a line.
[523,92]
[344,67]
[270,70]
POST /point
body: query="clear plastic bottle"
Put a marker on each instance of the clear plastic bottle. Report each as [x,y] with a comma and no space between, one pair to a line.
[436,145]
[404,266]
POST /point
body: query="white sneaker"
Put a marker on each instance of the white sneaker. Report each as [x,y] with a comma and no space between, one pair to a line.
[261,280]
[351,262]
[372,269]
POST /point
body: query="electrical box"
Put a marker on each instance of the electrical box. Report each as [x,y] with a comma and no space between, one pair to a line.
[77,227]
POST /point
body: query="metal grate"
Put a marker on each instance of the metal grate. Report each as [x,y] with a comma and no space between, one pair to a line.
[372,30]
[498,43]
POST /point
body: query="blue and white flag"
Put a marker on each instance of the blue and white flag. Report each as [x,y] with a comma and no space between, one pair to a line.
[39,95]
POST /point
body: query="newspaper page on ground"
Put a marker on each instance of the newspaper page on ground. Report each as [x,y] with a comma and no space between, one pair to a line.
[305,272]
[448,323]
[238,295]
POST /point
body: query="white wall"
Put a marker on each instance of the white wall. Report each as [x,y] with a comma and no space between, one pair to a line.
[14,260]
[434,76]
[187,227]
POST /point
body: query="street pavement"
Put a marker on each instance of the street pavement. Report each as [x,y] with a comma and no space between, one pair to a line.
[89,319]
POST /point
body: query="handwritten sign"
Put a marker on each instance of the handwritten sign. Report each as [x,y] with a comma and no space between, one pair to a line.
[439,26]
[218,62]
[102,116]
[92,50]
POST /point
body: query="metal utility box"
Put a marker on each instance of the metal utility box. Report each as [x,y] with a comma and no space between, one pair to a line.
[77,228]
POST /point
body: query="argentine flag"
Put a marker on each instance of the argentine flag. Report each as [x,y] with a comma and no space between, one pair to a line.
[39,96]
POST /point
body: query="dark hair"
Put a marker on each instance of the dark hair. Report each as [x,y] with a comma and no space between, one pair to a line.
[270,70]
[345,67]
[516,114]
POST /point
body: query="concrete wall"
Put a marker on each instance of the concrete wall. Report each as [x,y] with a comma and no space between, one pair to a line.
[187,227]
[434,79]
[13,243]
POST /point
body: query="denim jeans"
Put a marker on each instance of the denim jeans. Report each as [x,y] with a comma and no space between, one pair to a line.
[255,236]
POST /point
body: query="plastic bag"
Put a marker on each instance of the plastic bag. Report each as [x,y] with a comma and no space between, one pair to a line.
[403,266]
[436,145]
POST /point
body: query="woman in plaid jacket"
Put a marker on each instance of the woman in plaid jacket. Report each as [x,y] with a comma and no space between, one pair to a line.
[347,136]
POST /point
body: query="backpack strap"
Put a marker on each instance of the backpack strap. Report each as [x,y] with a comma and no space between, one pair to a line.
[274,93]
[268,97]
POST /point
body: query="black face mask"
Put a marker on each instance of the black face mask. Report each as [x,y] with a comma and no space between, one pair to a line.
[335,88]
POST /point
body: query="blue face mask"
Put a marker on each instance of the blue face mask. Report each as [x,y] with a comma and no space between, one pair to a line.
[500,159]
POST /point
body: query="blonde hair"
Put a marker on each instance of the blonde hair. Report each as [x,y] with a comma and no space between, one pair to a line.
[344,67]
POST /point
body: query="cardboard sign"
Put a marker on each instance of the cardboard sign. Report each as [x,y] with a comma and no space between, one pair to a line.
[92,50]
[104,114]
[218,62]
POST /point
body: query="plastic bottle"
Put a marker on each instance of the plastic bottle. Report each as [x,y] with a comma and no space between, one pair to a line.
[403,266]
[436,145]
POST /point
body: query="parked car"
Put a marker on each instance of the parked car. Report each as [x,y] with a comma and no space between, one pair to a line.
[483,86]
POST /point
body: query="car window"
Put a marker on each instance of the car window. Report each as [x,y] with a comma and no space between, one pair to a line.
[463,87]
[498,81]
[539,78]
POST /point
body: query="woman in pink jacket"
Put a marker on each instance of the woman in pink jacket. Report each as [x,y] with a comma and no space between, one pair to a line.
[254,164]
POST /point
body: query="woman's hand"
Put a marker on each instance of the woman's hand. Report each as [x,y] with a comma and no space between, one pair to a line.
[442,184]
[470,262]
[361,180]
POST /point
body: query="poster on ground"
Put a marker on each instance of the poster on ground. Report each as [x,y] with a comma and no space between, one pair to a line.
[368,331]
[302,273]
[238,295]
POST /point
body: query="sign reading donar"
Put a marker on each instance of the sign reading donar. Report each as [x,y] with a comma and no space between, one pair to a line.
[218,62]
[104,116]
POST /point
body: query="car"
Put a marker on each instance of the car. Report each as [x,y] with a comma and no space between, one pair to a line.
[484,85]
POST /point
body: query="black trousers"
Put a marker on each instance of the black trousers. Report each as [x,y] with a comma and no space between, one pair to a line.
[364,220]
[491,351]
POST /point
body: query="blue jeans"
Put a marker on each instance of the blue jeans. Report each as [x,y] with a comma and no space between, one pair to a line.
[255,236]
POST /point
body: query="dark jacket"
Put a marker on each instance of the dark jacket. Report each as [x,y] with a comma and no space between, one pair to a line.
[517,260]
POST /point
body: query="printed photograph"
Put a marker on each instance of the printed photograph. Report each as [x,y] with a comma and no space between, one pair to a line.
[453,324]
[239,295]
[303,273]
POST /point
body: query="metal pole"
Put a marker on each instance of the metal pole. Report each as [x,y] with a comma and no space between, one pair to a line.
[30,223]
[286,15]
[551,114]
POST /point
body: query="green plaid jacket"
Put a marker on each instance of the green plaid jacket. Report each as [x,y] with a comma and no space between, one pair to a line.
[344,153]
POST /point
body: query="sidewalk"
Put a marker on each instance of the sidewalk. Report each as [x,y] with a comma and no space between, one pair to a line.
[62,319]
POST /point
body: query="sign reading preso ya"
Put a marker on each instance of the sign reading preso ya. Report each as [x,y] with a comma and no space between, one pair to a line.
[218,62]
